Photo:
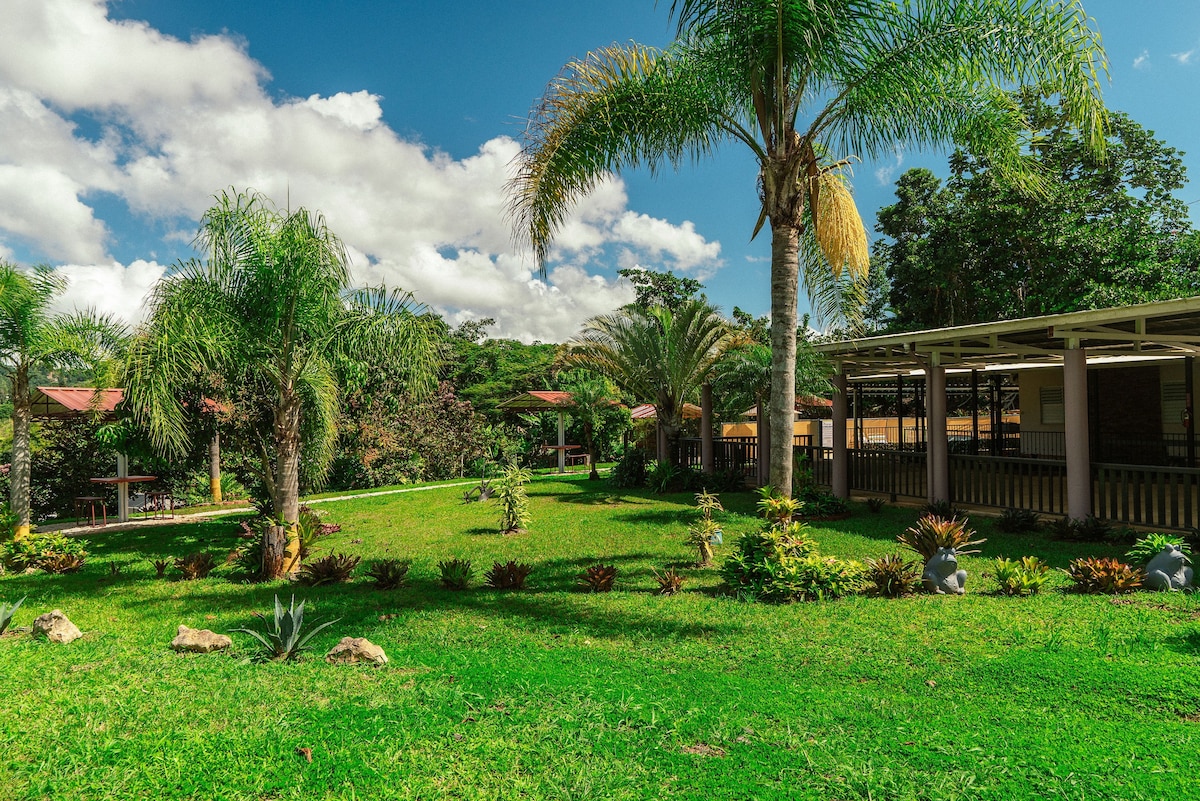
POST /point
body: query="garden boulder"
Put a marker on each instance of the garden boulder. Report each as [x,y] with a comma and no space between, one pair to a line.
[199,641]
[352,650]
[56,627]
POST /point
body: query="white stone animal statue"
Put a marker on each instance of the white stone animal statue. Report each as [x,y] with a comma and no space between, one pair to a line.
[942,575]
[1168,570]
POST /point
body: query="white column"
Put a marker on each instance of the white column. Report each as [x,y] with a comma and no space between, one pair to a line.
[841,456]
[937,456]
[1075,413]
[122,489]
[562,440]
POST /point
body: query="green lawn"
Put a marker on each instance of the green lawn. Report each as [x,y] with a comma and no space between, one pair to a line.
[552,693]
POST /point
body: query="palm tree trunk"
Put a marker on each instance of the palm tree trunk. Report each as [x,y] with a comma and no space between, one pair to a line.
[214,467]
[591,449]
[18,475]
[785,274]
[281,543]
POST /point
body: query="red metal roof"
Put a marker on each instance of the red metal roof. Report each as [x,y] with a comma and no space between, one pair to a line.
[536,400]
[75,401]
[647,411]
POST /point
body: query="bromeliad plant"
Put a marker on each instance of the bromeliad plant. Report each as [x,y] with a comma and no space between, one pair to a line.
[51,552]
[388,574]
[332,569]
[932,532]
[195,565]
[777,509]
[456,573]
[507,576]
[1152,545]
[669,581]
[892,576]
[513,500]
[1024,576]
[1017,521]
[598,578]
[284,638]
[1104,575]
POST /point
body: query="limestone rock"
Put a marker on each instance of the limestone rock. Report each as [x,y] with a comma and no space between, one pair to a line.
[55,627]
[352,650]
[199,641]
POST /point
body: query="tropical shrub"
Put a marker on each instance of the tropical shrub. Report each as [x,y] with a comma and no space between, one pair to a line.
[892,576]
[332,569]
[388,574]
[513,500]
[1151,545]
[1090,529]
[669,581]
[283,637]
[931,533]
[1024,576]
[776,509]
[598,578]
[507,576]
[630,470]
[944,510]
[1017,521]
[1104,575]
[703,534]
[876,505]
[818,502]
[195,565]
[456,573]
[7,612]
[781,564]
[51,552]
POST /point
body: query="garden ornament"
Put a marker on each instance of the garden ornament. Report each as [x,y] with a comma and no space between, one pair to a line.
[942,575]
[1168,570]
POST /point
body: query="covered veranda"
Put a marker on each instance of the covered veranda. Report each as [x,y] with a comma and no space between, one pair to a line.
[1095,372]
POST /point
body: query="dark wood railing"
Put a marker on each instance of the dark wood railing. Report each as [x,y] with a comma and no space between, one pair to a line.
[1164,497]
[1037,484]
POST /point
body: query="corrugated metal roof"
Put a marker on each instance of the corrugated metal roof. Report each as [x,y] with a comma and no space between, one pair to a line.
[49,402]
[536,400]
[647,412]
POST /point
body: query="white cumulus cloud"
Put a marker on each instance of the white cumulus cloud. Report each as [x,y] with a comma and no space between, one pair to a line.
[1142,61]
[170,122]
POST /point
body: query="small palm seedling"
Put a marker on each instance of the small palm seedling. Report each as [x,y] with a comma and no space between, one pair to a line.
[389,574]
[1104,575]
[160,567]
[513,500]
[195,565]
[509,576]
[892,576]
[876,505]
[1024,576]
[1017,521]
[669,581]
[705,532]
[456,573]
[310,529]
[598,578]
[284,636]
[332,569]
[7,612]
[933,532]
[1151,545]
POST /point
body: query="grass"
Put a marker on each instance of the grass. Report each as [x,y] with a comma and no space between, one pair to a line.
[552,693]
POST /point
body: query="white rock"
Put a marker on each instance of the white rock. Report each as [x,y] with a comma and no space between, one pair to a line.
[199,641]
[55,627]
[352,650]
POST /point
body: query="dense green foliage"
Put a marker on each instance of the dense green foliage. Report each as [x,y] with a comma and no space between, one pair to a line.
[552,692]
[1102,231]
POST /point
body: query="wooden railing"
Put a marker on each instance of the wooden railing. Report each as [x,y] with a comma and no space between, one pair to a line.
[1037,484]
[1164,497]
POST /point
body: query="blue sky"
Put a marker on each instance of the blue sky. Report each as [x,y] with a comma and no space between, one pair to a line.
[119,120]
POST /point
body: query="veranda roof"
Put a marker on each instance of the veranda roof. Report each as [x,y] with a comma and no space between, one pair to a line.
[536,401]
[55,403]
[647,412]
[1156,331]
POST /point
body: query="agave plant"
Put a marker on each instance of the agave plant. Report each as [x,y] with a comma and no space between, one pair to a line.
[598,578]
[7,612]
[284,637]
[669,581]
[507,576]
[389,573]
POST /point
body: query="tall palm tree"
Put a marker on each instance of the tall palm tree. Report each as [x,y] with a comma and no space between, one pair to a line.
[656,353]
[33,336]
[271,308]
[807,86]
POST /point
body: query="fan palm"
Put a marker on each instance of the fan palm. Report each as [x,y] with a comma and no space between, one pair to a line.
[806,85]
[31,336]
[655,353]
[271,307]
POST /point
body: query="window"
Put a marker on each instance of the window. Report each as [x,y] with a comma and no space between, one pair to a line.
[1053,411]
[1174,401]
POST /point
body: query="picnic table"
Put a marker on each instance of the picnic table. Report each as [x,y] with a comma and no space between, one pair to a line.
[122,483]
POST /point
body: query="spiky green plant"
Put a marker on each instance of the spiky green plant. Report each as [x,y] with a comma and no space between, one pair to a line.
[389,574]
[332,569]
[456,573]
[284,637]
[931,533]
[777,509]
[1024,576]
[513,499]
[7,612]
[892,576]
[1149,546]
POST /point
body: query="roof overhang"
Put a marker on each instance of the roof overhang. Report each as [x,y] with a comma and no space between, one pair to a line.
[1158,331]
[537,401]
[57,403]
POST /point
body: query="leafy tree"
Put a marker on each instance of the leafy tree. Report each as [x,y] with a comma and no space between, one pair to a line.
[661,289]
[271,310]
[595,409]
[491,371]
[655,355]
[805,85]
[32,336]
[1104,232]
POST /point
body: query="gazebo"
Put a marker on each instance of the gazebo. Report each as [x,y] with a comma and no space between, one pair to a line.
[545,401]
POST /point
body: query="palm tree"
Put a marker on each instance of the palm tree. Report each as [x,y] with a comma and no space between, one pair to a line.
[656,354]
[271,310]
[33,336]
[592,405]
[807,86]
